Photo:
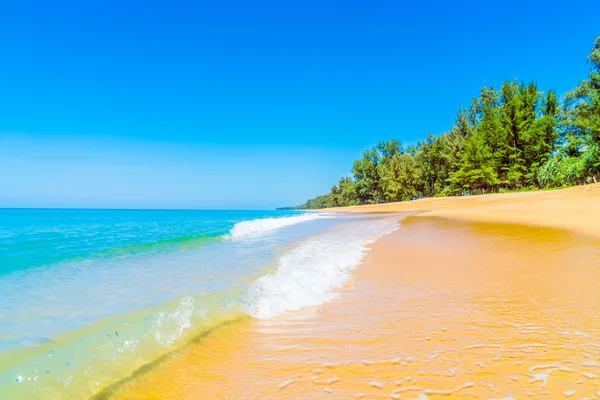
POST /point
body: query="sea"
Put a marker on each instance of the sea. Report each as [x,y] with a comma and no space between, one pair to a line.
[89,296]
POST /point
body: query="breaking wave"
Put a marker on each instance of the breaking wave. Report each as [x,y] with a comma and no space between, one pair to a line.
[257,227]
[308,274]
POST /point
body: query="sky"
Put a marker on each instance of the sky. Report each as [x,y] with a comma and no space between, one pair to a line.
[249,104]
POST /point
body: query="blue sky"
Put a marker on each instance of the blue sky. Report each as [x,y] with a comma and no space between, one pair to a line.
[249,104]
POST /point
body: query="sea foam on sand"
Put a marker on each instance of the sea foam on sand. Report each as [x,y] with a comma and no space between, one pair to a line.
[308,273]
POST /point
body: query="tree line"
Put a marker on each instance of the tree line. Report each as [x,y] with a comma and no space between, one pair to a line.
[515,138]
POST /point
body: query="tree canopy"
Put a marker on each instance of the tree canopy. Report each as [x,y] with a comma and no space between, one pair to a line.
[514,138]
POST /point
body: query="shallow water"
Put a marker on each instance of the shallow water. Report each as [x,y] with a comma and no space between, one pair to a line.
[91,295]
[441,309]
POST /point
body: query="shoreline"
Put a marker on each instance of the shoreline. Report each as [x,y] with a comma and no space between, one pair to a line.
[447,306]
[575,208]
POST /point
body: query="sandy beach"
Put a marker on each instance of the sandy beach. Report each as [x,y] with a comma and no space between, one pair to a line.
[243,200]
[493,297]
[574,208]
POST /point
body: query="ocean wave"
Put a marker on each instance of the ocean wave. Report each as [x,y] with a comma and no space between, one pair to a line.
[257,227]
[308,274]
[160,295]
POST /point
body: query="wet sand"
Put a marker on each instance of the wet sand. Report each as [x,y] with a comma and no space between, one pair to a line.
[441,308]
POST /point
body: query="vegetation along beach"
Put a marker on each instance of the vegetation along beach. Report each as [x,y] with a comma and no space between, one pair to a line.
[515,138]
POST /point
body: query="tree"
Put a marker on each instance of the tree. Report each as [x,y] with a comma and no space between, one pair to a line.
[399,177]
[347,192]
[477,172]
[509,157]
[509,139]
[542,137]
[367,178]
[489,130]
[583,107]
[463,125]
[367,171]
[590,163]
[431,163]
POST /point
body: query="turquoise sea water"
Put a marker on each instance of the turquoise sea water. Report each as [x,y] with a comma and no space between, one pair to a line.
[90,295]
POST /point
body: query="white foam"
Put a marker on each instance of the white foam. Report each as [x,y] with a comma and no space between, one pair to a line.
[307,274]
[257,227]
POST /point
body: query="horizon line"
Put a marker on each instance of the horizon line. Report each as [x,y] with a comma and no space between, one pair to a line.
[143,209]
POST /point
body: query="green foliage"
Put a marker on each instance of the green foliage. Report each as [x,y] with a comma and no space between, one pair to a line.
[549,175]
[560,170]
[367,178]
[583,112]
[399,177]
[477,172]
[589,163]
[513,139]
[542,138]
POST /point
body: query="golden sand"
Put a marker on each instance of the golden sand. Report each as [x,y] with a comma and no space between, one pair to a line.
[575,208]
[441,309]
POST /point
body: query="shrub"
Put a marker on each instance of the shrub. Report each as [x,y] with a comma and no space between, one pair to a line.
[589,163]
[558,171]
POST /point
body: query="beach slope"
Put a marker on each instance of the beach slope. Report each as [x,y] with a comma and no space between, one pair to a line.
[491,297]
[576,208]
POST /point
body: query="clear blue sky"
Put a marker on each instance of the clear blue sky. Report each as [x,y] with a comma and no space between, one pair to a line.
[249,104]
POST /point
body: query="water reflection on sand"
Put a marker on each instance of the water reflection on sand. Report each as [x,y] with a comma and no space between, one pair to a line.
[441,309]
